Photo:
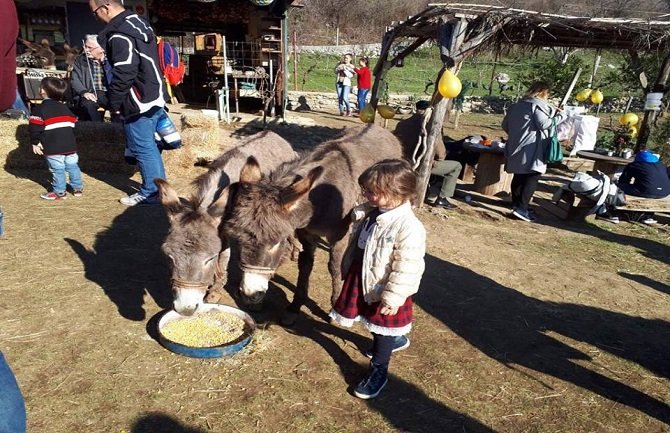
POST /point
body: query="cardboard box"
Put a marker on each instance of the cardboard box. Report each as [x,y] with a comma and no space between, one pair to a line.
[210,43]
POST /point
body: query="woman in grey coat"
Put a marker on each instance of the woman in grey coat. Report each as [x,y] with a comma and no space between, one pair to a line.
[528,127]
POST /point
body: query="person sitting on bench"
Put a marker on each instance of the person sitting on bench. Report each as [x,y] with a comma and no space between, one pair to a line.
[89,81]
[444,172]
[645,177]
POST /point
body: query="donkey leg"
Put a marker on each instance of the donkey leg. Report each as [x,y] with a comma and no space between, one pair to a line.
[305,265]
[335,268]
[216,291]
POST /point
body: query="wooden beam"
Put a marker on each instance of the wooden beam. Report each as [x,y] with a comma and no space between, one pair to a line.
[382,67]
[650,115]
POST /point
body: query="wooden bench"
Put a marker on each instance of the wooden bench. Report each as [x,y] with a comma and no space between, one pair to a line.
[575,207]
[639,206]
[578,208]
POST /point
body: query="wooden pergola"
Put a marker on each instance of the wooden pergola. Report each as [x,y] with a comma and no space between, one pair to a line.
[462,30]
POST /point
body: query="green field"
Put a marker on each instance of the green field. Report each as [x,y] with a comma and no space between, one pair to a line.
[315,72]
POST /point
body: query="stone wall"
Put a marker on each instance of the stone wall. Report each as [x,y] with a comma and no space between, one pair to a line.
[327,101]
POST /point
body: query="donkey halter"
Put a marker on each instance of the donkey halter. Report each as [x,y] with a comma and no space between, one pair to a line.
[257,269]
[185,284]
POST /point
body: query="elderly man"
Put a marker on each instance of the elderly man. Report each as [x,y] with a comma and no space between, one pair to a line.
[89,80]
[137,89]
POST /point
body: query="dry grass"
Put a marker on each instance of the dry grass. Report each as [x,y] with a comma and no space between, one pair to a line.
[520,328]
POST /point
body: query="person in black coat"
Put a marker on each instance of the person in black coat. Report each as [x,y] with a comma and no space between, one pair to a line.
[645,177]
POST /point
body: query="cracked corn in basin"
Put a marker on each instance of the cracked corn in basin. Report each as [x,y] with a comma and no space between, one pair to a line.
[209,329]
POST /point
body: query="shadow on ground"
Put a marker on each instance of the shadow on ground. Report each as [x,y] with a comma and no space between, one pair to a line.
[126,260]
[156,422]
[513,328]
[404,405]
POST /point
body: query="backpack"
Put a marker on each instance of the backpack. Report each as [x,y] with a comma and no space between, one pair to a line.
[171,65]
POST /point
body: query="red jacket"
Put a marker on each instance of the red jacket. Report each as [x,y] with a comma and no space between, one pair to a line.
[364,78]
[9,28]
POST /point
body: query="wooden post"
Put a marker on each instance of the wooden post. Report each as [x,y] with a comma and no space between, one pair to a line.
[381,68]
[596,64]
[493,71]
[295,61]
[434,129]
[650,115]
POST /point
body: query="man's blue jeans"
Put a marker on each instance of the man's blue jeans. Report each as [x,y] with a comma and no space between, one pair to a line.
[141,142]
[12,406]
[58,165]
[343,98]
[362,94]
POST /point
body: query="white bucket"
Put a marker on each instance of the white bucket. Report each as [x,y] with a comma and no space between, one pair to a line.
[653,101]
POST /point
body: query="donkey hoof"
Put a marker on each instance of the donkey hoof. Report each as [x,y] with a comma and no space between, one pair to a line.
[289,318]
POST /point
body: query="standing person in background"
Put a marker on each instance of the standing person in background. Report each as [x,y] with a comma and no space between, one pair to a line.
[89,80]
[137,90]
[344,72]
[363,81]
[9,28]
[528,125]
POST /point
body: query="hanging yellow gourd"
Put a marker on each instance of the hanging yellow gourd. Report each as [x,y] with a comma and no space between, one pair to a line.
[449,85]
[367,114]
[629,119]
[632,131]
[597,96]
[583,95]
[386,111]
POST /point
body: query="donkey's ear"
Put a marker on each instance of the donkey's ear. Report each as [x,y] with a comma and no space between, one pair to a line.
[251,172]
[290,196]
[218,208]
[172,203]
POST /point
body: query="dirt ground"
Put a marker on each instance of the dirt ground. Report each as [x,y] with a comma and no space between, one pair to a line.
[545,327]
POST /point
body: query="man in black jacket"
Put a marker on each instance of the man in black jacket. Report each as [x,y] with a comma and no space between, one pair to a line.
[89,80]
[137,89]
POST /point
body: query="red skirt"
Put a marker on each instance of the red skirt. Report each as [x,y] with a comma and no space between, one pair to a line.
[351,305]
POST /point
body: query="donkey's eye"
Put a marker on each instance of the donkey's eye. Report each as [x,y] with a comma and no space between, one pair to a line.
[211,259]
[171,258]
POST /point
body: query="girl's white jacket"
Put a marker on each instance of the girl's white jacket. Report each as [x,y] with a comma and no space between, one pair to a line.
[393,259]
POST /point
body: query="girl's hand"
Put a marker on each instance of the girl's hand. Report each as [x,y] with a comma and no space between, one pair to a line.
[37,149]
[388,311]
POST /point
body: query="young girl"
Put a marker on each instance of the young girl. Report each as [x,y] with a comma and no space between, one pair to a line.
[363,79]
[382,267]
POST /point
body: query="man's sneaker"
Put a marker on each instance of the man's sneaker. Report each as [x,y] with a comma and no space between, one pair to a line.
[522,215]
[77,192]
[608,217]
[52,196]
[371,386]
[401,342]
[138,198]
[649,221]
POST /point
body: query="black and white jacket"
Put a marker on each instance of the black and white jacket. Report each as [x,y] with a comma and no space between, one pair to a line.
[137,83]
[52,124]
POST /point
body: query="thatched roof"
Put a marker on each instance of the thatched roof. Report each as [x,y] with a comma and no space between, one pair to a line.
[500,26]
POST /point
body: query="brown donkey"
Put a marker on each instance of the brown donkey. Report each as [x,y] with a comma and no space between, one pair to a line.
[196,244]
[311,197]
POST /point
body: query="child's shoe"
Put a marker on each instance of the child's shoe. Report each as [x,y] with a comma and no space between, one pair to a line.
[52,196]
[78,192]
[371,386]
[400,342]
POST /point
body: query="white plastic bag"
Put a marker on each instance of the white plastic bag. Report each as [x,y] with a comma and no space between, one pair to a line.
[564,130]
[586,133]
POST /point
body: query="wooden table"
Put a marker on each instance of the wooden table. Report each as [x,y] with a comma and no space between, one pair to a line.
[490,176]
[604,163]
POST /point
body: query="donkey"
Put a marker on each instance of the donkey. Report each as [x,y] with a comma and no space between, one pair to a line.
[311,197]
[196,245]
